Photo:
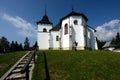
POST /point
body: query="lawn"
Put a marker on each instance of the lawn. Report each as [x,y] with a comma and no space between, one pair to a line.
[80,65]
[8,60]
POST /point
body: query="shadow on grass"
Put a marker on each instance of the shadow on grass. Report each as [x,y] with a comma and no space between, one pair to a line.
[46,67]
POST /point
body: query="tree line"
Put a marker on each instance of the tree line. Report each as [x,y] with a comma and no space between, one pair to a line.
[6,46]
[115,42]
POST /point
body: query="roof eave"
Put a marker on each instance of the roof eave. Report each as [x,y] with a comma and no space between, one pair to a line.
[91,28]
[39,22]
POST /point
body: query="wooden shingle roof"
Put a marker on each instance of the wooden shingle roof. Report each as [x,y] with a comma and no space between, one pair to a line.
[44,20]
[56,28]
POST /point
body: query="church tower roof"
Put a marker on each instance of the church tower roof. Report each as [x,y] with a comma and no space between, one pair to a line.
[44,20]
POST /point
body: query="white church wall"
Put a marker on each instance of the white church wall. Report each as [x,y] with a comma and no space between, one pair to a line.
[44,37]
[93,42]
[72,18]
[51,41]
[46,26]
[43,40]
[55,44]
[78,31]
[84,23]
[65,37]
[88,38]
[96,45]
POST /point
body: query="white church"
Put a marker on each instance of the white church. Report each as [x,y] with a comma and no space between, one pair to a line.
[72,31]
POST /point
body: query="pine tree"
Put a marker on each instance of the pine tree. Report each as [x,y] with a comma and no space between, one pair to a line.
[20,46]
[35,45]
[113,41]
[4,44]
[117,37]
[26,44]
[16,46]
[12,46]
[100,43]
[117,41]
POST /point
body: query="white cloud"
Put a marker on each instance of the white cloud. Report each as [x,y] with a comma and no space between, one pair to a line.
[25,28]
[108,30]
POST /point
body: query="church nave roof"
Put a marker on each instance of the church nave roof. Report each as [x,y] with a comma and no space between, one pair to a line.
[75,14]
[56,28]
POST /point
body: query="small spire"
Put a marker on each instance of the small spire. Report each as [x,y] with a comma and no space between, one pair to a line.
[72,8]
[45,10]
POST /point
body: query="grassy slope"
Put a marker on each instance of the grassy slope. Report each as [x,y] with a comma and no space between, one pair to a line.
[80,65]
[8,60]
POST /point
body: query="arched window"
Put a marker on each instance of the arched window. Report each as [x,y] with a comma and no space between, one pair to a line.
[66,29]
[57,38]
[44,30]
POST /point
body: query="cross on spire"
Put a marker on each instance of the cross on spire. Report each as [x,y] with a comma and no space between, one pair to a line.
[45,10]
[72,8]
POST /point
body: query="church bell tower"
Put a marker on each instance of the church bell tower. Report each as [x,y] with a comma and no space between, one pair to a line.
[43,35]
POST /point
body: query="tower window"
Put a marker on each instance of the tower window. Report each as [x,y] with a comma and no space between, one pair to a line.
[66,29]
[76,22]
[44,30]
[57,38]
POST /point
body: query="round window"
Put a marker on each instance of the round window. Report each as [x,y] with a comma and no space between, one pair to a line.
[76,22]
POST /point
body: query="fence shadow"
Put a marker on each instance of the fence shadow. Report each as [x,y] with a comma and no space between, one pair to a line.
[46,67]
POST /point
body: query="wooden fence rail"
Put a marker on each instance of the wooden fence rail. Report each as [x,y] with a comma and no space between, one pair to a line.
[21,67]
[26,66]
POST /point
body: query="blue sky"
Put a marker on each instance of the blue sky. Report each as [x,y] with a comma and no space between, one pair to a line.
[18,17]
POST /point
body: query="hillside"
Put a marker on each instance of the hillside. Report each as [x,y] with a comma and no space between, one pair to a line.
[80,65]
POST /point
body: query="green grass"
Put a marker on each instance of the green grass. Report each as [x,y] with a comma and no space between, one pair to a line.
[8,60]
[80,65]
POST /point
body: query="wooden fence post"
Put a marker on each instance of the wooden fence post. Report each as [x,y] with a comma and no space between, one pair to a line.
[27,73]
